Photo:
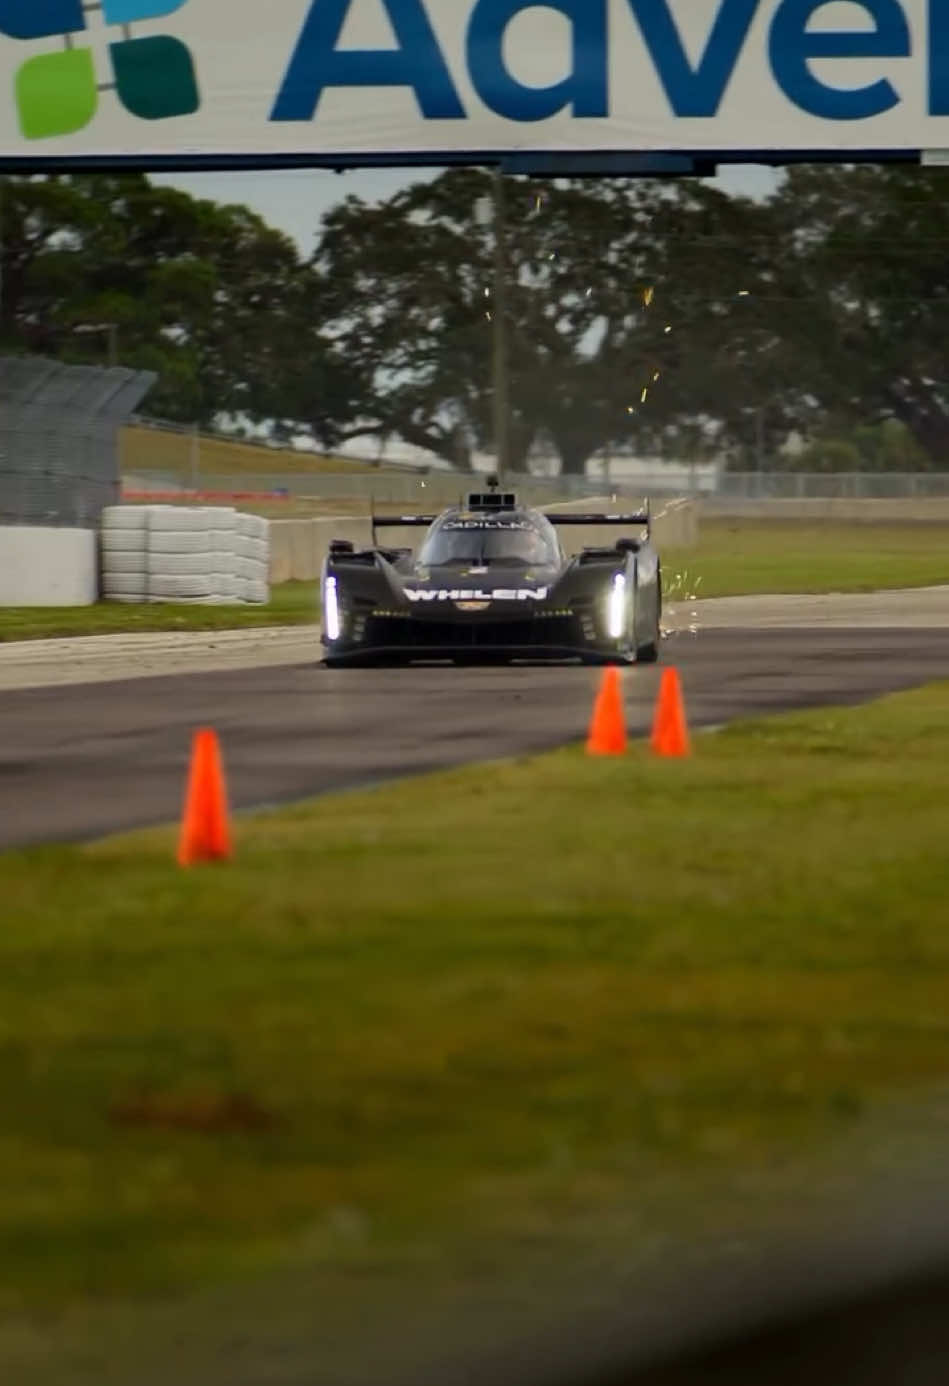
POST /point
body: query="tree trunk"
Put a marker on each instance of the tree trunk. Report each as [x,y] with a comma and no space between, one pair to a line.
[574,453]
[929,426]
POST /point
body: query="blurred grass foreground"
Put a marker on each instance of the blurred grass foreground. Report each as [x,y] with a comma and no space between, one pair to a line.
[450,1034]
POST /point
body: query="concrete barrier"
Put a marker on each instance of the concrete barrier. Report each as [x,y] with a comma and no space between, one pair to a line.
[299,547]
[48,567]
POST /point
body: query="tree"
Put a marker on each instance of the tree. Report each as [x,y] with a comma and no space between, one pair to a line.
[210,297]
[607,305]
[864,250]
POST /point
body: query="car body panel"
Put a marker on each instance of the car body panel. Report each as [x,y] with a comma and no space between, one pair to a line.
[493,582]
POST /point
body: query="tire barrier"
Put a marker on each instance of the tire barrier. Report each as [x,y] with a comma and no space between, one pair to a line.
[212,555]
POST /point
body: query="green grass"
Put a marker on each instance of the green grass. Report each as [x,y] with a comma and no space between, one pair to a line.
[292,603]
[441,1027]
[748,556]
[149,449]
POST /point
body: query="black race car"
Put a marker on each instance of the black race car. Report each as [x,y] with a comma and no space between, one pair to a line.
[491,582]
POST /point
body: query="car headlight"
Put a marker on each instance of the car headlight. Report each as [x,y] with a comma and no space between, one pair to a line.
[332,624]
[616,608]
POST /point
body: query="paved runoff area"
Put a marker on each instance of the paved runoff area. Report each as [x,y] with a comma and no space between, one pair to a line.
[101,658]
[919,608]
[97,732]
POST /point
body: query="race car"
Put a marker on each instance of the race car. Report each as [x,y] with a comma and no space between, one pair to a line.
[492,583]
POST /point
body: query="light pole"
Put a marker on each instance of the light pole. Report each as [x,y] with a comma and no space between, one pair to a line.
[493,212]
[3,188]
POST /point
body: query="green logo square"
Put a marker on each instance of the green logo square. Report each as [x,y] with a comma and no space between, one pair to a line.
[155,78]
[56,93]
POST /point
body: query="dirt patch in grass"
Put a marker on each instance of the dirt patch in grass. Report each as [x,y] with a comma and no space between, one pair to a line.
[202,1112]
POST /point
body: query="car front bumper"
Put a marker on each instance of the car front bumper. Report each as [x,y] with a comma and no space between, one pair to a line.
[406,639]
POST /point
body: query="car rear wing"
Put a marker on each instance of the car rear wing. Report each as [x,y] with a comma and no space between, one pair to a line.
[401,522]
[633,519]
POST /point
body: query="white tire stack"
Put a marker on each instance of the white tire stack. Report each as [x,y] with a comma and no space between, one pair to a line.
[174,576]
[252,559]
[124,546]
[222,530]
[168,553]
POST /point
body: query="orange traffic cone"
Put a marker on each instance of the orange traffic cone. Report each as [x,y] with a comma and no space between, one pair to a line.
[608,725]
[670,732]
[205,827]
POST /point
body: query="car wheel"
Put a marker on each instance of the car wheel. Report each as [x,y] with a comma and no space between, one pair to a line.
[649,653]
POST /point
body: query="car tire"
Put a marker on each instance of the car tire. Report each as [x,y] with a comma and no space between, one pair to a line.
[649,653]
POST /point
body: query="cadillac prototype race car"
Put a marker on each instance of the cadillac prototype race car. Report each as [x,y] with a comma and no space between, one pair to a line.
[491,582]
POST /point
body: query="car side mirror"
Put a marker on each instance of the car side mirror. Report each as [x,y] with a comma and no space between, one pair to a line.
[338,547]
[628,545]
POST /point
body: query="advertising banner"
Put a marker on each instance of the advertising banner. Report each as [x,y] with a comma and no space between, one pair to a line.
[369,81]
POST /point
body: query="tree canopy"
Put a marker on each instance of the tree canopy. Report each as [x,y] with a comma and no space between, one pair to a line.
[210,297]
[661,315]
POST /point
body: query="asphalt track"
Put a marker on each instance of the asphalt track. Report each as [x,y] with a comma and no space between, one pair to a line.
[82,761]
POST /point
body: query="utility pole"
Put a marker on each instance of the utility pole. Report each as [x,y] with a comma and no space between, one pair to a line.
[502,416]
[3,212]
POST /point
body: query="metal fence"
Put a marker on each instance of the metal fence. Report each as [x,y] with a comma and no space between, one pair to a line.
[832,485]
[59,462]
[714,484]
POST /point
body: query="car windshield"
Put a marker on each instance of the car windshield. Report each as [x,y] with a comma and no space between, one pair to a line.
[525,541]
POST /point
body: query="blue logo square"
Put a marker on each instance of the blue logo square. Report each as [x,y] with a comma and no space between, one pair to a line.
[37,19]
[131,11]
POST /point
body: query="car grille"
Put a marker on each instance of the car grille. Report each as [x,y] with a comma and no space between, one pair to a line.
[403,632]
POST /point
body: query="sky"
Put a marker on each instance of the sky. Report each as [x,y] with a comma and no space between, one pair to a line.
[295,200]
